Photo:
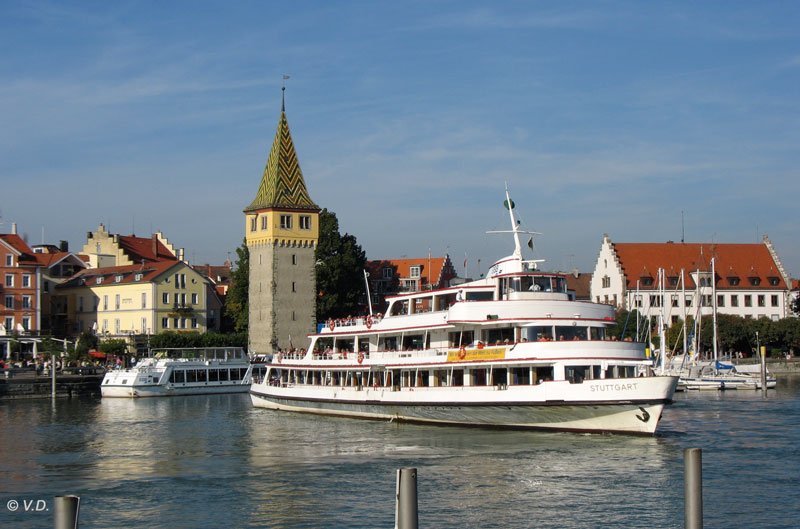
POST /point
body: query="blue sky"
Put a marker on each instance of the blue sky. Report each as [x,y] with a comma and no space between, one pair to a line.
[408,118]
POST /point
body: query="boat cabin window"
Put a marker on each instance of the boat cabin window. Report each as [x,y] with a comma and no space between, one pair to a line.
[539,333]
[570,332]
[499,336]
[423,305]
[444,302]
[213,375]
[387,343]
[399,308]
[457,377]
[577,374]
[499,376]
[519,376]
[324,345]
[413,342]
[479,377]
[458,338]
[344,344]
[479,296]
[621,372]
[597,333]
[177,377]
[543,374]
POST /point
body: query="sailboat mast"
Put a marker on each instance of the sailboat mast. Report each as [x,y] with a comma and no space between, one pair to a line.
[714,305]
[662,335]
[683,302]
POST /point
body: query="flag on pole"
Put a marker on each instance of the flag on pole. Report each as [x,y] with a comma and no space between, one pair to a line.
[530,243]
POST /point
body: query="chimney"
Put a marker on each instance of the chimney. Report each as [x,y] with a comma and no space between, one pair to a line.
[63,246]
[13,228]
[155,246]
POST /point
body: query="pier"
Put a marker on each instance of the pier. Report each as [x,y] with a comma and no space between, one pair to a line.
[27,384]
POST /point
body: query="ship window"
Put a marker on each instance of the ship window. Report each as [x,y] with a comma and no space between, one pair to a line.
[388,343]
[520,376]
[577,374]
[213,375]
[543,374]
[479,377]
[413,342]
[223,375]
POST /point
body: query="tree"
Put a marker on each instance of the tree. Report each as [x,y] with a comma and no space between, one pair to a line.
[340,270]
[794,305]
[235,311]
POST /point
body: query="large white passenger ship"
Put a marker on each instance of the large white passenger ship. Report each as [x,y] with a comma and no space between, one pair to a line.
[511,350]
[172,372]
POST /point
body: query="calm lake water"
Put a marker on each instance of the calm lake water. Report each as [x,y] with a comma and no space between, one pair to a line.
[213,461]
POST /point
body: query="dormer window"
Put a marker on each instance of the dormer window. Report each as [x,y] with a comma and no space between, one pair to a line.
[137,277]
[99,280]
[673,281]
[117,278]
[774,281]
[415,271]
[646,281]
[755,281]
[733,281]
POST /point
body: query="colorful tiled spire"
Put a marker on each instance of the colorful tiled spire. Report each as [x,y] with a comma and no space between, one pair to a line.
[282,185]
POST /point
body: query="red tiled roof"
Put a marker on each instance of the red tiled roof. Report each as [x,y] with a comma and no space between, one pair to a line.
[744,261]
[433,270]
[49,259]
[149,272]
[581,285]
[141,248]
[16,242]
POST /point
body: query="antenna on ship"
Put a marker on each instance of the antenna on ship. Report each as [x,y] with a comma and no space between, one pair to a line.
[515,230]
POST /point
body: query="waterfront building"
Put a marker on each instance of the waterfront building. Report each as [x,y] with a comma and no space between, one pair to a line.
[750,280]
[388,277]
[137,299]
[281,233]
[105,249]
[57,265]
[20,289]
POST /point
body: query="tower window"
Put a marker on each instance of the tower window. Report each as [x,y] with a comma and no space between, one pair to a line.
[294,286]
[286,222]
[264,222]
[294,259]
[253,223]
[305,222]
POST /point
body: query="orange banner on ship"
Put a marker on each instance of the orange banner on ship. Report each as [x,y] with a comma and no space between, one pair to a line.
[471,355]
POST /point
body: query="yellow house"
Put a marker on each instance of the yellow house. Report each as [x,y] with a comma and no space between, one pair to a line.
[141,299]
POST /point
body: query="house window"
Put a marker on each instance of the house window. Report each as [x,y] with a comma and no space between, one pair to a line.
[165,323]
[194,299]
[26,323]
[117,278]
[194,323]
[116,302]
[688,301]
[388,273]
[105,326]
[105,302]
[734,281]
[165,298]
[9,322]
[286,222]
[144,300]
[674,300]
[755,281]
[415,271]
[144,325]
[655,301]
[26,281]
[9,302]
[183,280]
[137,277]
[762,300]
[175,299]
[9,280]
[116,326]
[606,282]
[9,259]
[647,281]
[264,222]
[175,323]
[183,300]
[637,301]
[748,300]
[734,300]
[47,286]
[80,304]
[720,300]
[99,280]
[673,281]
[305,222]
[26,302]
[253,223]
[774,281]
[774,301]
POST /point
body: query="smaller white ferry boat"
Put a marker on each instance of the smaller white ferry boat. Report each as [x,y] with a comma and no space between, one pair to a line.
[512,350]
[188,371]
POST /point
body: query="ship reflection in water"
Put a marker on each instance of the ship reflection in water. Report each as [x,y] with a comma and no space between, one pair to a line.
[214,461]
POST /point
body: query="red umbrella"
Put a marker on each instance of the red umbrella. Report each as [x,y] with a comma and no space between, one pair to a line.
[97,354]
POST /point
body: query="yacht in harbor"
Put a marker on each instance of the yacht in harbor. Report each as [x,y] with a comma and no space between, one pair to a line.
[187,371]
[511,350]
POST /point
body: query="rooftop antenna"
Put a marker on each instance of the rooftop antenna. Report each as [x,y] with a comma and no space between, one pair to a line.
[683,229]
[283,93]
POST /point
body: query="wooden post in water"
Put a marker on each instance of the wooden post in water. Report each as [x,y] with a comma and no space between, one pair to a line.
[693,488]
[406,516]
[66,512]
[53,376]
[763,368]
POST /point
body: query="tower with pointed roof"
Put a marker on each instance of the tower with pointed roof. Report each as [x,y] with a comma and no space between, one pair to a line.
[281,232]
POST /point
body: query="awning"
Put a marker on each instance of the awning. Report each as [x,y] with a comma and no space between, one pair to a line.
[97,354]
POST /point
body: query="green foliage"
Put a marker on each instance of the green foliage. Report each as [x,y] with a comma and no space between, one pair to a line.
[340,270]
[195,339]
[114,346]
[235,311]
[86,342]
[625,326]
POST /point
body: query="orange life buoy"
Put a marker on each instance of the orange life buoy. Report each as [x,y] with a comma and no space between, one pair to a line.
[331,324]
[360,357]
[369,321]
[462,353]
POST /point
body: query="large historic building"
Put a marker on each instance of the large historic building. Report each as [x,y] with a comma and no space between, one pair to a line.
[281,232]
[749,281]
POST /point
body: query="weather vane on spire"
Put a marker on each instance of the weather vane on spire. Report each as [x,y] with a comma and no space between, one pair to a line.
[283,93]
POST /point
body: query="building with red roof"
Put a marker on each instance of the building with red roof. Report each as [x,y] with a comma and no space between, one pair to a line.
[107,249]
[392,276]
[20,273]
[749,279]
